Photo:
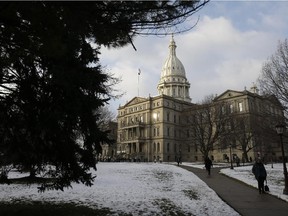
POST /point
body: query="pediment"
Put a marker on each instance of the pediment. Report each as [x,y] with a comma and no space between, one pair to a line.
[135,100]
[229,94]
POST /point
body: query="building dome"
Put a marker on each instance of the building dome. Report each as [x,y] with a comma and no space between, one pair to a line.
[173,81]
[173,66]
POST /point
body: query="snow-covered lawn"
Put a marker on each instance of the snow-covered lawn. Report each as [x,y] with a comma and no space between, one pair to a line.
[133,188]
[147,189]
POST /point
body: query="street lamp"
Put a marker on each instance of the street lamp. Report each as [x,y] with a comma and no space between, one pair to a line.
[280,130]
[231,167]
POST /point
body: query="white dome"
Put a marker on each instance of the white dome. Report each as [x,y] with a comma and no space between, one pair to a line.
[173,66]
[173,81]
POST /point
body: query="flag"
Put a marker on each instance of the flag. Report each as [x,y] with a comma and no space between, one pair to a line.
[139,71]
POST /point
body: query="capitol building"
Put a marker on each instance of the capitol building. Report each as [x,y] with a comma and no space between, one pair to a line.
[166,127]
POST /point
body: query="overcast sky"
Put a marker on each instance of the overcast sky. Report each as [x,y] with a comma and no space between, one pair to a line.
[225,50]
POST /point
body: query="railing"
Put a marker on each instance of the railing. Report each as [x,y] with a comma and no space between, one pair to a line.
[132,124]
[133,138]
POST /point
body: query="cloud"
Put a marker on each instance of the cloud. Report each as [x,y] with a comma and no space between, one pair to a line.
[223,51]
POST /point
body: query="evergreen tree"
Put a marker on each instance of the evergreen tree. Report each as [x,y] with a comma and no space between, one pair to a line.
[51,81]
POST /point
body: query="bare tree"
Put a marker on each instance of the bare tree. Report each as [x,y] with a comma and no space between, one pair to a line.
[244,132]
[254,130]
[274,76]
[208,124]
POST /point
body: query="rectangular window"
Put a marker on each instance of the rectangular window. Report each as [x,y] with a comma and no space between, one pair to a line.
[231,108]
[168,131]
[240,106]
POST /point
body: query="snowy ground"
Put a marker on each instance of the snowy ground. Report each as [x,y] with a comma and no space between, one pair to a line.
[135,188]
[148,189]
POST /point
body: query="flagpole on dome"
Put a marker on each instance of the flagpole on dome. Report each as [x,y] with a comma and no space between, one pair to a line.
[139,72]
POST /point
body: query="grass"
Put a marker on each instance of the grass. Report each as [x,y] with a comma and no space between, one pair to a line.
[49,209]
[191,194]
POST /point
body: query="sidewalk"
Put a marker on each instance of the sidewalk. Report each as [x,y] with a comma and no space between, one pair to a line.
[243,198]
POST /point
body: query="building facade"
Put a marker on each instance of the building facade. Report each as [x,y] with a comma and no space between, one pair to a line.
[158,128]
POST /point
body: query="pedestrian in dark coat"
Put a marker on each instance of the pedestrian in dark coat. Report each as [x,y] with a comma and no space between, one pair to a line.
[260,173]
[208,165]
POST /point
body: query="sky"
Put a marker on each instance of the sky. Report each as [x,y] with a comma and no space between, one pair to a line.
[141,188]
[225,50]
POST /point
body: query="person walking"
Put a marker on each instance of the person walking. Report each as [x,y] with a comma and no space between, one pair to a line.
[260,173]
[208,165]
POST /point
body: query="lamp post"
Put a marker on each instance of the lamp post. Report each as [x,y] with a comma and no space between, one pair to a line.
[280,130]
[231,166]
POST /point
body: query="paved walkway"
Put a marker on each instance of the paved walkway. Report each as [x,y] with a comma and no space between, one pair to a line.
[245,199]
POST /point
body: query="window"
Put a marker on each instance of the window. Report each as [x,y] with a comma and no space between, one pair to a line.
[240,105]
[158,147]
[168,131]
[168,147]
[168,116]
[222,109]
[174,118]
[231,108]
[154,132]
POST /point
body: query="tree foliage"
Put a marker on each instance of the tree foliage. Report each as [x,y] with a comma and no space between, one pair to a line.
[52,84]
[274,76]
